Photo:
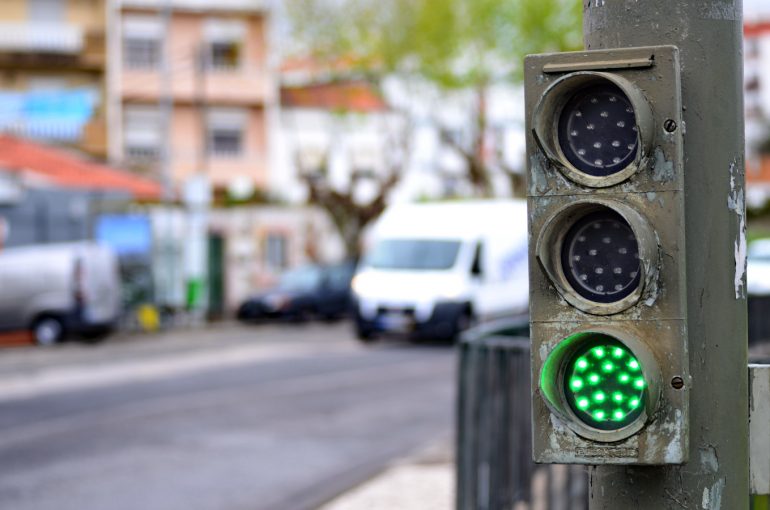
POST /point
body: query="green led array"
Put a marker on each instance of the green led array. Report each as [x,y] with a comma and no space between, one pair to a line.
[604,384]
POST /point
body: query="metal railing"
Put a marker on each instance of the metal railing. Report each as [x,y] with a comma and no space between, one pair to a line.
[49,37]
[495,470]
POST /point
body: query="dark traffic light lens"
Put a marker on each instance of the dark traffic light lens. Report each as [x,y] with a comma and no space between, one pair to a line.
[604,384]
[600,257]
[598,131]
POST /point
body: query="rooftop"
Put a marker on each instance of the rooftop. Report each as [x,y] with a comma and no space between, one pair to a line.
[348,96]
[60,167]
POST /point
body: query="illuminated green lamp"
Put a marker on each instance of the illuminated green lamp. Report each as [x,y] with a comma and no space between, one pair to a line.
[604,384]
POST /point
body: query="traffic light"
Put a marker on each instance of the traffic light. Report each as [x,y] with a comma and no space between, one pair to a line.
[607,257]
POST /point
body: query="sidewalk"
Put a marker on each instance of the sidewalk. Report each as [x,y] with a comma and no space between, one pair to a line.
[425,481]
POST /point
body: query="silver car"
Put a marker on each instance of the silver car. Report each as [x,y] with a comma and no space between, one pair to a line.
[58,290]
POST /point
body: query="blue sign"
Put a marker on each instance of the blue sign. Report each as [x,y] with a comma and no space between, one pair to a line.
[47,114]
[127,234]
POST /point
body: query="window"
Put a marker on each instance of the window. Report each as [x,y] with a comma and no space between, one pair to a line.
[413,254]
[304,278]
[477,268]
[338,277]
[224,40]
[276,251]
[225,55]
[142,36]
[225,142]
[226,128]
[141,53]
[142,132]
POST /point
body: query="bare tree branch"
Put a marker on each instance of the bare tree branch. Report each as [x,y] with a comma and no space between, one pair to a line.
[349,216]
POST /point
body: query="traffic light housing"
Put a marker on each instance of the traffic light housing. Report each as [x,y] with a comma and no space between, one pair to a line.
[607,257]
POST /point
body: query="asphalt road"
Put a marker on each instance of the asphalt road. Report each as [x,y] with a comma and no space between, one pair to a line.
[315,414]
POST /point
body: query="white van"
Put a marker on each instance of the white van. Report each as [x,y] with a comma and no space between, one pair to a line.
[435,269]
[55,290]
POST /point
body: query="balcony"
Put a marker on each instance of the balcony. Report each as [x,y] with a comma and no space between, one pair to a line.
[52,38]
[199,5]
[51,45]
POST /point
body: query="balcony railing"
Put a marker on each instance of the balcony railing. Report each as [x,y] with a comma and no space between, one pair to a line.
[222,5]
[41,37]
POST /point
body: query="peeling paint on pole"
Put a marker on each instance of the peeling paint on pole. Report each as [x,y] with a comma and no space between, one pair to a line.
[736,202]
[712,498]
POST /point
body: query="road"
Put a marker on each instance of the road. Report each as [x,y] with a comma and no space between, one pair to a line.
[292,418]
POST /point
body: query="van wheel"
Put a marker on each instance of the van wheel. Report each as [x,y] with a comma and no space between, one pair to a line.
[48,331]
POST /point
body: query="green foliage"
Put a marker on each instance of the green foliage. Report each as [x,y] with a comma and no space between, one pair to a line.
[451,43]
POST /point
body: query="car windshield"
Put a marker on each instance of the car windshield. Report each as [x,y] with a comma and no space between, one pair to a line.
[301,279]
[413,254]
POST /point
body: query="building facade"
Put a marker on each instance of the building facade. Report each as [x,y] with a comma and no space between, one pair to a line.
[52,72]
[193,88]
[757,110]
[250,247]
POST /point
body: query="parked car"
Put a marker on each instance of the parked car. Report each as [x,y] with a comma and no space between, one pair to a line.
[302,293]
[59,290]
[433,270]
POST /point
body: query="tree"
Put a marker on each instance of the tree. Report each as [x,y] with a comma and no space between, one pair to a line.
[452,46]
[349,213]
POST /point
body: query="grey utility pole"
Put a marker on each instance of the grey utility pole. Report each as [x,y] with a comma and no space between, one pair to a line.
[709,36]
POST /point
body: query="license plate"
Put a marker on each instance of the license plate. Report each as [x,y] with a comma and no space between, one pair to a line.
[396,322]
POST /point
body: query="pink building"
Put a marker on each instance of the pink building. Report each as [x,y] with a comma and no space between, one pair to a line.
[206,65]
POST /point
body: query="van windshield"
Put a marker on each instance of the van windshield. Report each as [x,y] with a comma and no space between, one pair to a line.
[413,254]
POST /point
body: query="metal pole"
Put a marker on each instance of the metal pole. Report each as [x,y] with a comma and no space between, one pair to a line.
[166,109]
[166,102]
[709,36]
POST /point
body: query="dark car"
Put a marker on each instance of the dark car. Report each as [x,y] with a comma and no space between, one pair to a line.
[303,293]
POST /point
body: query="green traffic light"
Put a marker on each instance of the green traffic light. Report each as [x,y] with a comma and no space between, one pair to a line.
[605,384]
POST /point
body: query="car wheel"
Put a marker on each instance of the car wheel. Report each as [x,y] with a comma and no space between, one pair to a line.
[365,335]
[48,331]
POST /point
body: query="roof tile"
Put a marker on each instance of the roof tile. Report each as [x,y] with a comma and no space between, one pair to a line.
[65,169]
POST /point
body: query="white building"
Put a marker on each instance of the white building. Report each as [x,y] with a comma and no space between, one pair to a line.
[375,129]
